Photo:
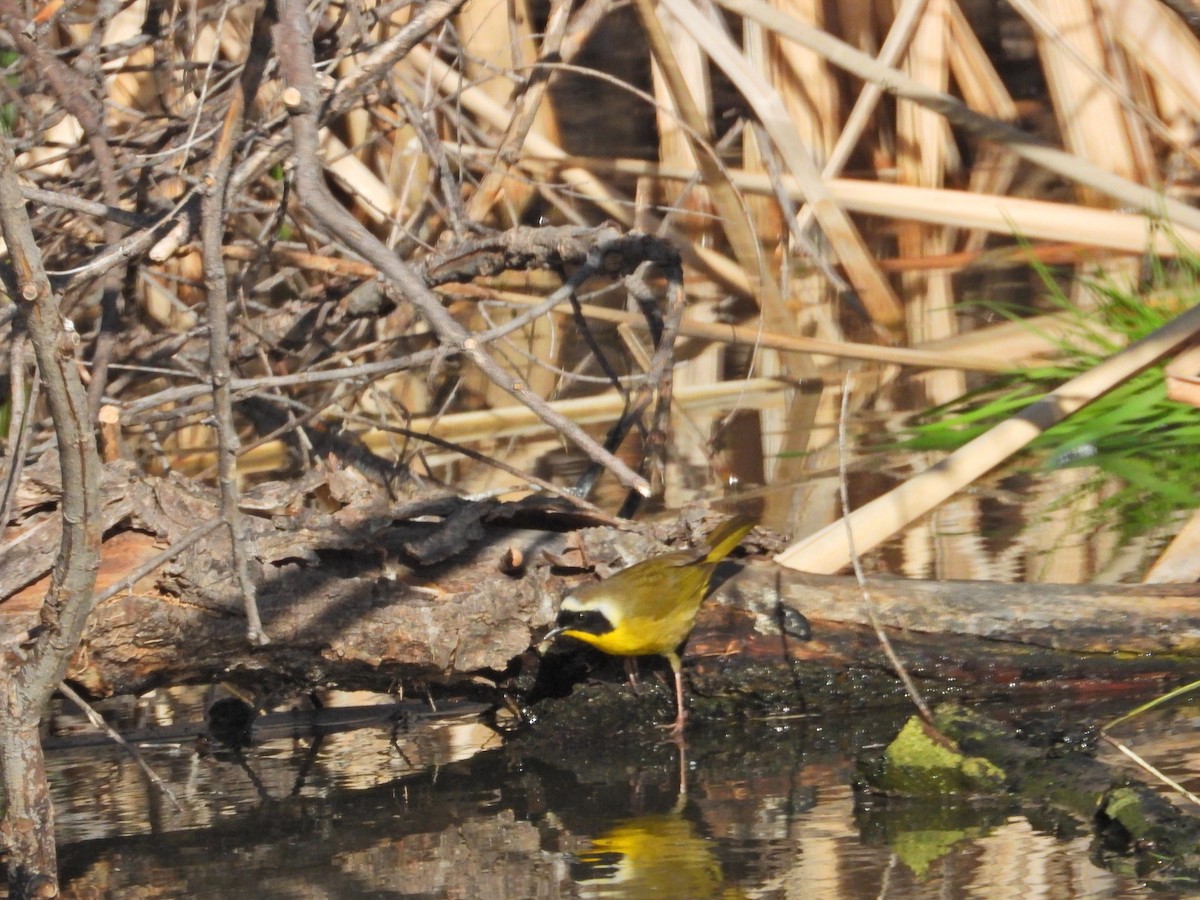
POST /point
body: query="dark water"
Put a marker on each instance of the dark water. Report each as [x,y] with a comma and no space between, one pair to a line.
[447,809]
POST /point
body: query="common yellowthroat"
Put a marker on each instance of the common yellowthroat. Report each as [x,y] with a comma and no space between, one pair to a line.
[660,855]
[649,608]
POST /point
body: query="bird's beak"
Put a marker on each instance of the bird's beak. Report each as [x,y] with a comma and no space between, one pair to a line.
[545,643]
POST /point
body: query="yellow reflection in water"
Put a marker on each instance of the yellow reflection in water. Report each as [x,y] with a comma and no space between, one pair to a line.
[659,855]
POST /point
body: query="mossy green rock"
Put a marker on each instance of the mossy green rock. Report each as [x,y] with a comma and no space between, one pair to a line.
[916,765]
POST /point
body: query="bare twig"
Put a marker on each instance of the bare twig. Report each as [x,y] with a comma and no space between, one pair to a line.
[70,86]
[531,479]
[213,231]
[303,100]
[425,18]
[20,422]
[868,603]
[126,248]
[87,207]
[98,722]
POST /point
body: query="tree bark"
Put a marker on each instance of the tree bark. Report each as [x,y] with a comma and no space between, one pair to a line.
[32,667]
[353,605]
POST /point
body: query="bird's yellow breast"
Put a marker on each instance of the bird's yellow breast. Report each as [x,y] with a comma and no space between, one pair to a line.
[636,635]
[650,607]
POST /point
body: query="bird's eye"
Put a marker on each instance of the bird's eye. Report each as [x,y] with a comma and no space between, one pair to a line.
[590,620]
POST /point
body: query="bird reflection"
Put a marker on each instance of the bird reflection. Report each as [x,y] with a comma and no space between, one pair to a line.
[658,855]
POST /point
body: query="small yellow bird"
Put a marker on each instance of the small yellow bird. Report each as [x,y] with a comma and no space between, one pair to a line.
[649,608]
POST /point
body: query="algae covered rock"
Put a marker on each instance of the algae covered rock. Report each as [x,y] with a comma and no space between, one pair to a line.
[920,762]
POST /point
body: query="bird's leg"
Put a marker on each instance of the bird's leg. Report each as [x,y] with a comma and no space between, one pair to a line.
[681,746]
[681,714]
[676,727]
[631,670]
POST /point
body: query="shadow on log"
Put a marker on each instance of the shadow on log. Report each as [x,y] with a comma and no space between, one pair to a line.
[348,602]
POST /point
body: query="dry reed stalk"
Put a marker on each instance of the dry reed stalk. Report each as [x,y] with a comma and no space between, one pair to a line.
[375,198]
[726,200]
[1025,340]
[786,343]
[926,157]
[1077,169]
[806,83]
[491,46]
[983,90]
[764,212]
[474,100]
[529,114]
[828,551]
[1092,121]
[1162,44]
[513,421]
[498,48]
[859,19]
[1151,107]
[1029,219]
[811,97]
[875,291]
[674,144]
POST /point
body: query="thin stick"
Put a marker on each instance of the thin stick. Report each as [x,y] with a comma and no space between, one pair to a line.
[216,283]
[27,683]
[524,477]
[20,422]
[88,207]
[113,735]
[159,558]
[1157,773]
[730,334]
[867,601]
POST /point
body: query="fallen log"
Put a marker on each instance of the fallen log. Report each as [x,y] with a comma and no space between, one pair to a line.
[347,603]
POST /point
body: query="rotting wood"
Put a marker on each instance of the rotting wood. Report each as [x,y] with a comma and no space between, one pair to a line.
[351,607]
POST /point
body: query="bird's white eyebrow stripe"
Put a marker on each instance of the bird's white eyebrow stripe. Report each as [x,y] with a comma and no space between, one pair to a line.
[605,607]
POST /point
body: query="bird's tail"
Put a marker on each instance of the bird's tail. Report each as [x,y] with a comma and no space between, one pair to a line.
[726,536]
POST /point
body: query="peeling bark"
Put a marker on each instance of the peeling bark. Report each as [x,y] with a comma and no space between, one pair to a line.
[352,605]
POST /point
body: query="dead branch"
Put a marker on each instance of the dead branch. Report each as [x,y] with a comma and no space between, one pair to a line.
[30,673]
[212,218]
[303,101]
